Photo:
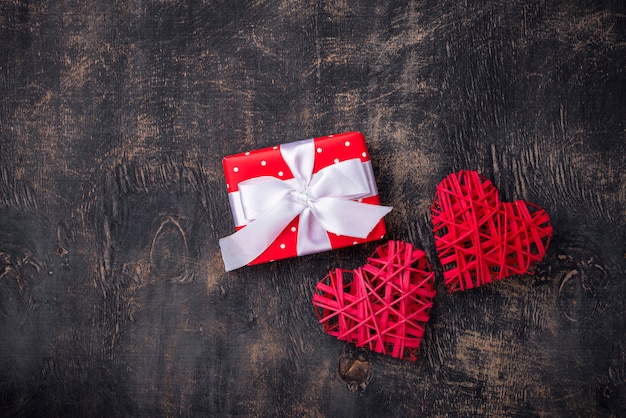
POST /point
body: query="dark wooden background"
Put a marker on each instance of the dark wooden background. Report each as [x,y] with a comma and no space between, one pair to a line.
[114,118]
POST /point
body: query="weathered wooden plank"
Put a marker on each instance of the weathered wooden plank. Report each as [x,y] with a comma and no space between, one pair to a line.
[114,117]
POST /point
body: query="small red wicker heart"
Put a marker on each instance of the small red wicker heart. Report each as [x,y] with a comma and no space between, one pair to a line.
[479,238]
[383,305]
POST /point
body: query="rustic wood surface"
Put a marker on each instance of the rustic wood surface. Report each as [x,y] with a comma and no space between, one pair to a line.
[114,118]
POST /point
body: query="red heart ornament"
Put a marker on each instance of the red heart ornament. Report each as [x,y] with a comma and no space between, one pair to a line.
[383,305]
[479,238]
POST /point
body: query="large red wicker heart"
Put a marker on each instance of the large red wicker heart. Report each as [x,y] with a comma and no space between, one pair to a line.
[479,238]
[383,305]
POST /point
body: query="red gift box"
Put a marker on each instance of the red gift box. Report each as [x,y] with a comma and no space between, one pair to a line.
[318,156]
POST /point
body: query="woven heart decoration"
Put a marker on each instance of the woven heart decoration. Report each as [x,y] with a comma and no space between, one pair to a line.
[479,238]
[383,305]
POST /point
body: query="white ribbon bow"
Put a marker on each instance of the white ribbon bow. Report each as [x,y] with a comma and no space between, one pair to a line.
[323,201]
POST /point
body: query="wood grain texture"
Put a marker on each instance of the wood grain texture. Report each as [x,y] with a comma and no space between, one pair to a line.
[114,118]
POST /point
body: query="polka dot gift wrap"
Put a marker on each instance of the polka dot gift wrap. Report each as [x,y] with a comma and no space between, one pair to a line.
[300,198]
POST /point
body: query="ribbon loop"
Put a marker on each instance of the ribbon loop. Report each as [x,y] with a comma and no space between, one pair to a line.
[323,200]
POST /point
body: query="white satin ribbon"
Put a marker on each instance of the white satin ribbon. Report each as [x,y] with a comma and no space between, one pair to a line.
[323,200]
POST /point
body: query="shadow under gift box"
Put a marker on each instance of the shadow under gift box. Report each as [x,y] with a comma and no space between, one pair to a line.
[271,162]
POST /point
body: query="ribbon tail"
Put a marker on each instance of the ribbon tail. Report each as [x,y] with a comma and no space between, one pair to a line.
[312,237]
[248,243]
[347,217]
